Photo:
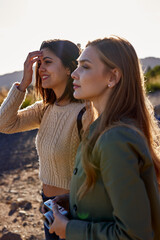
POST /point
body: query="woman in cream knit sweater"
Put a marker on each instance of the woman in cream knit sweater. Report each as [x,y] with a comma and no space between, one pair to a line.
[55,117]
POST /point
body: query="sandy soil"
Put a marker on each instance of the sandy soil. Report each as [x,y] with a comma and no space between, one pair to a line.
[20,188]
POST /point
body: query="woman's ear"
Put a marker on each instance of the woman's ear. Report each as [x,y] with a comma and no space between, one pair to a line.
[115,77]
[68,71]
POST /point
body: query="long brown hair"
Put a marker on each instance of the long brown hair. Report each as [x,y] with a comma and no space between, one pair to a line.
[68,53]
[128,100]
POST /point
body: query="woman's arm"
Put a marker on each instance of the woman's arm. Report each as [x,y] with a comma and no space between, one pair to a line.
[11,118]
[14,120]
[120,151]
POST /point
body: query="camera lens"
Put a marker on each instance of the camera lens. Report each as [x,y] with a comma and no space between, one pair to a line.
[48,218]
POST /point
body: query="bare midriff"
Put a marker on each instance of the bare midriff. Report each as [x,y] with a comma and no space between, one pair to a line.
[50,191]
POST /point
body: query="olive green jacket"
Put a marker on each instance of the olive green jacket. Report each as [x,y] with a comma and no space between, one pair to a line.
[125,202]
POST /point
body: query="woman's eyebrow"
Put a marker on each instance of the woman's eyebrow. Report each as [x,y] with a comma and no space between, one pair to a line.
[47,57]
[84,60]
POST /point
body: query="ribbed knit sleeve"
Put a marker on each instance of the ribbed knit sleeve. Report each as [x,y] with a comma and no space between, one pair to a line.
[12,119]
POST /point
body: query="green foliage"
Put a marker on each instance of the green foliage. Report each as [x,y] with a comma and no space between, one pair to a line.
[152,87]
[153,72]
[152,79]
[28,101]
[30,98]
[3,94]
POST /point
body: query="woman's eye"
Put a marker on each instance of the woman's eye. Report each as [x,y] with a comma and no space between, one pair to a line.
[47,62]
[86,67]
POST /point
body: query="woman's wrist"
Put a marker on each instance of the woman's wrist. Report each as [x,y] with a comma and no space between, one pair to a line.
[22,87]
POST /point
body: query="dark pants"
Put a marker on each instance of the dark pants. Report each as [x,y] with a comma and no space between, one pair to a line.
[48,235]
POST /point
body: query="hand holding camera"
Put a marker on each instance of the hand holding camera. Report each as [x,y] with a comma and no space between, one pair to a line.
[63,200]
[48,215]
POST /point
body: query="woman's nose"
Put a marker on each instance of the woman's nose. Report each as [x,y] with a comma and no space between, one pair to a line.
[74,74]
[41,67]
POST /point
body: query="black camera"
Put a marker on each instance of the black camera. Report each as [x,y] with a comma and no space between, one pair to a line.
[48,216]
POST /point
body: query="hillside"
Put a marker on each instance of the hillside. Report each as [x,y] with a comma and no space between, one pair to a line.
[8,79]
[149,62]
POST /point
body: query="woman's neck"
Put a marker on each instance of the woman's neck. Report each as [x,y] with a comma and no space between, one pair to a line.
[62,102]
[101,101]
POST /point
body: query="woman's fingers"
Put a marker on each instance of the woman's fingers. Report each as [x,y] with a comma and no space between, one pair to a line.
[35,60]
[57,199]
[33,56]
[55,212]
[55,208]
[51,229]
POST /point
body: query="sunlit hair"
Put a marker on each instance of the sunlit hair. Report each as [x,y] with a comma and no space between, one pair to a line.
[68,53]
[127,100]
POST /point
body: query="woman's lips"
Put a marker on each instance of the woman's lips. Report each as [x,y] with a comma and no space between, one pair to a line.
[75,86]
[44,77]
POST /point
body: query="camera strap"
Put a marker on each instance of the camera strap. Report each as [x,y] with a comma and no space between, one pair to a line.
[79,122]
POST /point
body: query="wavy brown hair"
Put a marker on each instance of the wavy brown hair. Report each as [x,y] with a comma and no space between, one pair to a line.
[68,53]
[127,100]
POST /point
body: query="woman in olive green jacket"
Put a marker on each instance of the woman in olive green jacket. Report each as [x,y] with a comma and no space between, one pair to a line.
[114,190]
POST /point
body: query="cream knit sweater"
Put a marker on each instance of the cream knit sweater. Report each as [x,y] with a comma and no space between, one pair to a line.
[57,139]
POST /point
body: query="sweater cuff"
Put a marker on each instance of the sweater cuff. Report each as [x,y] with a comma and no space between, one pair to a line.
[76,229]
[14,98]
[16,92]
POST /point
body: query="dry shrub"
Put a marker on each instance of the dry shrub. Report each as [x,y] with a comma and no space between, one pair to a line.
[3,94]
[30,98]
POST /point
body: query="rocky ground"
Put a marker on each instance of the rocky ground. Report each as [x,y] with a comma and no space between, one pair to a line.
[20,188]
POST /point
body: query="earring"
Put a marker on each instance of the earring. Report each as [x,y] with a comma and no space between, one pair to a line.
[109,85]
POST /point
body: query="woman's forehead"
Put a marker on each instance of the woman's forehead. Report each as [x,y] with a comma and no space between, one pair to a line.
[47,53]
[89,54]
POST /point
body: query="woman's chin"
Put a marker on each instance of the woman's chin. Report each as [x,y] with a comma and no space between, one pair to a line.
[45,86]
[76,95]
[79,96]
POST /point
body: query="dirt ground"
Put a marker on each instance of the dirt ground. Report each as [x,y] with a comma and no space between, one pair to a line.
[20,188]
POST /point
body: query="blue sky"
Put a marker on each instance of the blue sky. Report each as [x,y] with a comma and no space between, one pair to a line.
[24,24]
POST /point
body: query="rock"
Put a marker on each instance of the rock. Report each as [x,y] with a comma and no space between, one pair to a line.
[8,199]
[2,183]
[25,224]
[16,178]
[29,165]
[20,200]
[4,230]
[22,213]
[11,236]
[25,205]
[32,237]
[15,220]
[13,191]
[14,207]
[31,180]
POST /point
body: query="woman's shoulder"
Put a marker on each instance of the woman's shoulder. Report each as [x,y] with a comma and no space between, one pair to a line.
[123,143]
[123,134]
